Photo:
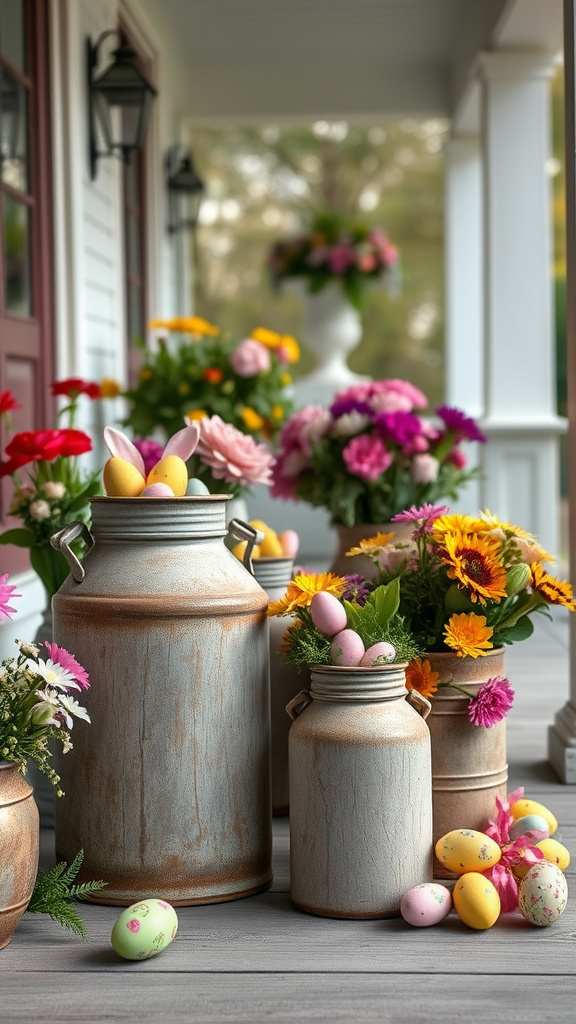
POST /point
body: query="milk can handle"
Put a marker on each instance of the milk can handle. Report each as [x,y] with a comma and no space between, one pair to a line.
[296,706]
[62,540]
[243,531]
[419,703]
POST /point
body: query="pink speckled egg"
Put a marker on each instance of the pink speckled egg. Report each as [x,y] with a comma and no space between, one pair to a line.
[328,615]
[426,904]
[379,653]
[290,542]
[157,491]
[347,648]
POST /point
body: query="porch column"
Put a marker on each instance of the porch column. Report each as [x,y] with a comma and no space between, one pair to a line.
[520,463]
[464,291]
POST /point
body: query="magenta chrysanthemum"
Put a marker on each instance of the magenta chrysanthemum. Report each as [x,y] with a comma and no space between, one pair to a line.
[492,702]
[7,593]
[60,656]
[150,450]
[232,455]
[462,426]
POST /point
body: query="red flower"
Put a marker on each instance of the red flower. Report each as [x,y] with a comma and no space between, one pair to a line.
[213,375]
[8,402]
[74,386]
[43,445]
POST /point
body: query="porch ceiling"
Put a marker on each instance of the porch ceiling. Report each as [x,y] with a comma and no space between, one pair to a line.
[281,59]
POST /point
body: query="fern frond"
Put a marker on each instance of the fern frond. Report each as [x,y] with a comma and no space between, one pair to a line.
[54,889]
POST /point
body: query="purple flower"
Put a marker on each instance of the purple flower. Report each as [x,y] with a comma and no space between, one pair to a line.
[356,589]
[151,451]
[400,427]
[366,456]
[347,402]
[7,593]
[459,424]
[415,515]
[492,702]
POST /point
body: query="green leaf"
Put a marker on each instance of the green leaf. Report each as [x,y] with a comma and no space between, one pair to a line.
[386,601]
[19,536]
[521,630]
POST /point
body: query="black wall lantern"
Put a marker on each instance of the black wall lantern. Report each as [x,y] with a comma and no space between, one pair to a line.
[120,100]
[185,189]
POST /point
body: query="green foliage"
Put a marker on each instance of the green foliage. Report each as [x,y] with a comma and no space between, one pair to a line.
[55,889]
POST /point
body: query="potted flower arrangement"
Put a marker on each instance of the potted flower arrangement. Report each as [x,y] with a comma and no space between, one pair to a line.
[370,455]
[335,249]
[468,586]
[198,371]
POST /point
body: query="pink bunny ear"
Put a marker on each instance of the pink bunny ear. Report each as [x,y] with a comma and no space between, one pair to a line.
[121,447]
[183,442]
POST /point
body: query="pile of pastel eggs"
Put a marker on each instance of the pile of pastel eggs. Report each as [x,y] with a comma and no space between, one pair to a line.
[347,649]
[274,545]
[468,854]
[125,476]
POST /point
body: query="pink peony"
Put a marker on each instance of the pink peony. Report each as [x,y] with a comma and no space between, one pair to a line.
[366,456]
[249,358]
[232,455]
[492,702]
[425,468]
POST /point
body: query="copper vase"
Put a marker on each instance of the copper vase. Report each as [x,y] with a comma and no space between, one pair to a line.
[19,842]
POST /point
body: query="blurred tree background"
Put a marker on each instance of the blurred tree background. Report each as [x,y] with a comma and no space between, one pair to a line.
[264,183]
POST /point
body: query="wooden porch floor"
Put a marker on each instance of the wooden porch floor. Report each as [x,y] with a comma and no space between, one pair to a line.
[259,959]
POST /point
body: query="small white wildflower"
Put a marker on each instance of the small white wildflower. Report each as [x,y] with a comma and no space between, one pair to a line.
[69,706]
[54,489]
[39,510]
[29,650]
[20,497]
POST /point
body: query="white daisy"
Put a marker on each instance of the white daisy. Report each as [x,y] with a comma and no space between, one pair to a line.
[54,674]
[69,707]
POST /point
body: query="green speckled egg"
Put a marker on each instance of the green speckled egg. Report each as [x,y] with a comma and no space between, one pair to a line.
[144,929]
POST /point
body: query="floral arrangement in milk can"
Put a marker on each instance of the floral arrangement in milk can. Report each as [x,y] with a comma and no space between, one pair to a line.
[372,453]
[197,371]
[468,585]
[51,488]
[37,701]
[335,248]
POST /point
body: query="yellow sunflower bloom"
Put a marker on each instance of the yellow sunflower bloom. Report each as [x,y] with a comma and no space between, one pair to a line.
[552,590]
[286,641]
[420,676]
[302,588]
[468,635]
[372,545]
[251,419]
[458,524]
[109,388]
[474,562]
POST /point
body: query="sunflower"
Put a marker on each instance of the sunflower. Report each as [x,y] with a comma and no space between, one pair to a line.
[420,676]
[302,588]
[552,590]
[373,545]
[468,635]
[286,641]
[474,562]
[458,524]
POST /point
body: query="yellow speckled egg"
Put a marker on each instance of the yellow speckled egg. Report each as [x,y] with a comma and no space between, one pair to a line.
[170,470]
[523,807]
[543,894]
[463,849]
[121,479]
[240,548]
[476,901]
[144,929]
[555,853]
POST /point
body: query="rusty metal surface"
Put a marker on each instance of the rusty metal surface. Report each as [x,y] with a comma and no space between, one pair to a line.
[19,842]
[168,790]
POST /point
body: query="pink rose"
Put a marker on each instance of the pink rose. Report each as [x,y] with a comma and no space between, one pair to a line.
[425,468]
[250,358]
[232,455]
[366,456]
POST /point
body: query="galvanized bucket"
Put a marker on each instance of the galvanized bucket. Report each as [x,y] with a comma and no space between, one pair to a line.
[360,792]
[167,791]
[273,575]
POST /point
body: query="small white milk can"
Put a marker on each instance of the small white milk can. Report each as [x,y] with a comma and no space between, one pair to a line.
[273,575]
[360,792]
[167,791]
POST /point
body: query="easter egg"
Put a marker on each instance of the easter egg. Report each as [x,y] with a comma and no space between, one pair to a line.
[528,823]
[542,894]
[555,853]
[523,807]
[464,850]
[290,542]
[347,648]
[271,547]
[426,904]
[379,653]
[240,548]
[170,470]
[121,479]
[476,900]
[157,491]
[196,486]
[144,929]
[328,613]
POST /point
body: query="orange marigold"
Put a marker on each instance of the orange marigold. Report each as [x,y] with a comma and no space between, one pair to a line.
[468,635]
[421,676]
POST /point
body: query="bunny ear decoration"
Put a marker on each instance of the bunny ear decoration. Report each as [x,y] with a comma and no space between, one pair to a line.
[121,447]
[183,442]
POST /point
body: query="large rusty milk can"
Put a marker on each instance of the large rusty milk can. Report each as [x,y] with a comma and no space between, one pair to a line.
[360,792]
[168,790]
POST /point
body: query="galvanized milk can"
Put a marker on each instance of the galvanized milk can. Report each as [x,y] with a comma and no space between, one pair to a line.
[167,791]
[360,792]
[273,575]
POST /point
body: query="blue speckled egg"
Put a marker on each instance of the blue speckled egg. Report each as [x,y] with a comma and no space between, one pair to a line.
[528,823]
